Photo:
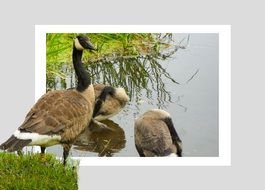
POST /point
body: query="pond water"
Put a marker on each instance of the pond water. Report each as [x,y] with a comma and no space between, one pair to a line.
[184,84]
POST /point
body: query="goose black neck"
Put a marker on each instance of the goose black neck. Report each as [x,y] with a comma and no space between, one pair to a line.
[82,75]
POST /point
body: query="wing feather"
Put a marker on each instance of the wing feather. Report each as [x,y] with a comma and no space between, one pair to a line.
[56,112]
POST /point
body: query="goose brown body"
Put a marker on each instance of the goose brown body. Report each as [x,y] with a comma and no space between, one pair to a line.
[63,113]
[155,135]
[58,117]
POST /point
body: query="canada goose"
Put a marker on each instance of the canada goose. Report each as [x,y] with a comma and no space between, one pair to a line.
[109,102]
[59,116]
[155,135]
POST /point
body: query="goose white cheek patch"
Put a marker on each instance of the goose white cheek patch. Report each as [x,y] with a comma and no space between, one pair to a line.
[78,45]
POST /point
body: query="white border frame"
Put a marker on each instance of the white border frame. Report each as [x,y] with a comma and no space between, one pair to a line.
[224,32]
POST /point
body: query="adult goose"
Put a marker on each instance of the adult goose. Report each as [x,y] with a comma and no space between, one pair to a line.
[155,135]
[109,101]
[58,117]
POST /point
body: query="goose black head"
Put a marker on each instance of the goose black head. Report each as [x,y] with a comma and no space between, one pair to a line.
[83,42]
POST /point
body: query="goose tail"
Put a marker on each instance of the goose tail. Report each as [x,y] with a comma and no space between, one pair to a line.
[14,144]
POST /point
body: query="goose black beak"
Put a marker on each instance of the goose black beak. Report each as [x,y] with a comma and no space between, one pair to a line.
[90,46]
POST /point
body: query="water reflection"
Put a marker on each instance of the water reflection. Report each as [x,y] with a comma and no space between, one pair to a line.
[105,142]
[145,80]
[194,103]
[139,75]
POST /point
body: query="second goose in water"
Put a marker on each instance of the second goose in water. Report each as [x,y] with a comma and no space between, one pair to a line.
[155,135]
[109,101]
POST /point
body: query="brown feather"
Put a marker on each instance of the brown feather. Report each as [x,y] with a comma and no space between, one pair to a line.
[59,112]
[152,135]
[14,144]
[112,105]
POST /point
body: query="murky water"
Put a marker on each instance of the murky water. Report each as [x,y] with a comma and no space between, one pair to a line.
[185,85]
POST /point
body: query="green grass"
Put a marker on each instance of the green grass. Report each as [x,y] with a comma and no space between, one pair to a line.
[33,171]
[109,45]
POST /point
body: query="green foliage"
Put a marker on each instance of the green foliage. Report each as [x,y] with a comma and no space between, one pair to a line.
[129,60]
[109,45]
[135,75]
[35,171]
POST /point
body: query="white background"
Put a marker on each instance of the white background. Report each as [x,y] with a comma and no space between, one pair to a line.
[18,18]
[224,87]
